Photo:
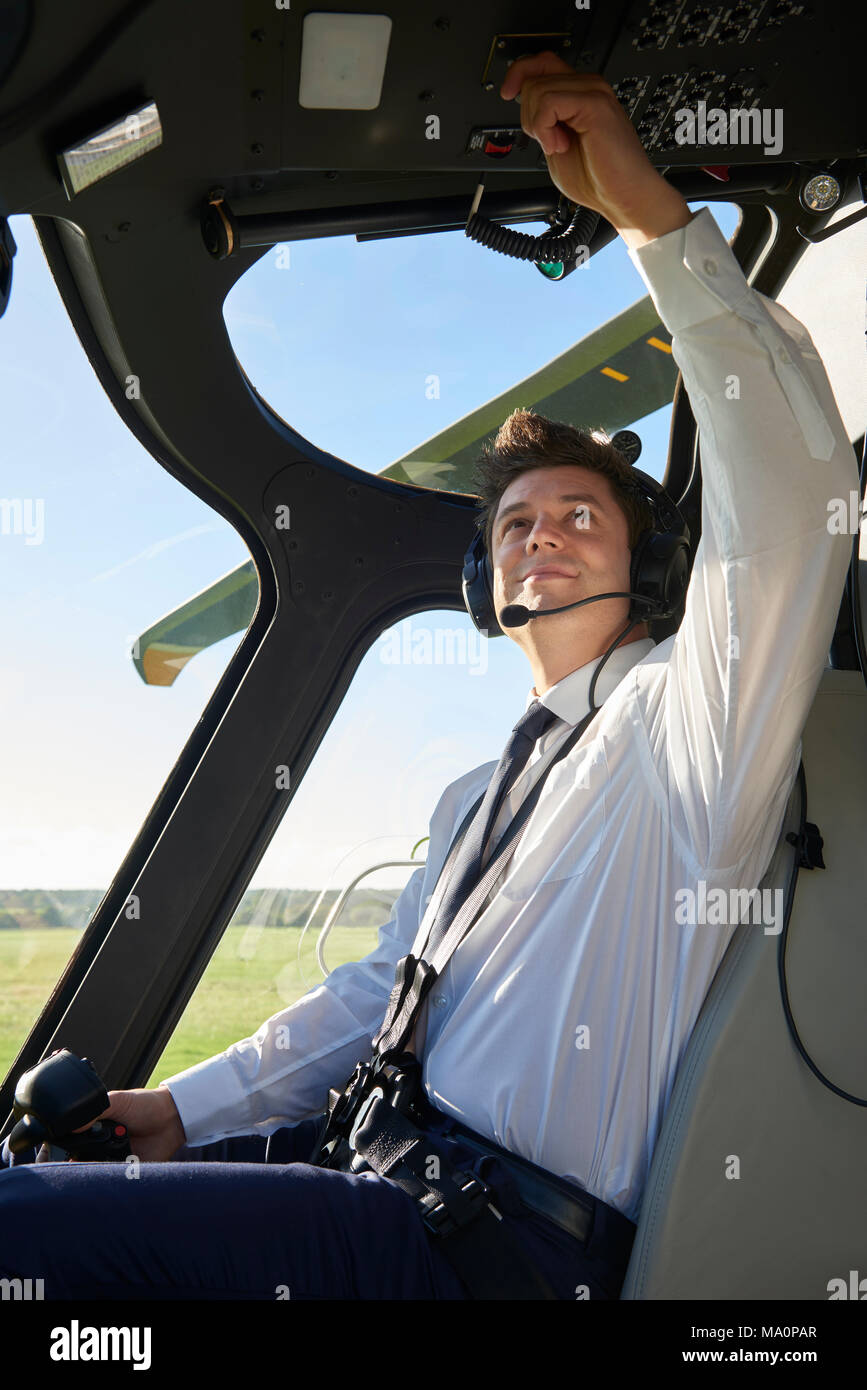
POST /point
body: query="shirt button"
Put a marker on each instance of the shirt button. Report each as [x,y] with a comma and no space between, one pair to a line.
[710,266]
[440,1001]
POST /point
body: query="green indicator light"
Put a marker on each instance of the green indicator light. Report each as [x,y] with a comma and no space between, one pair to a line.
[553,269]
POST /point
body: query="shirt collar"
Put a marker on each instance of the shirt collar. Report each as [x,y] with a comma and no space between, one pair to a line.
[570,697]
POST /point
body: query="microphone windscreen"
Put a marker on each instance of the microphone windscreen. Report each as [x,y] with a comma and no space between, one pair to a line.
[514,615]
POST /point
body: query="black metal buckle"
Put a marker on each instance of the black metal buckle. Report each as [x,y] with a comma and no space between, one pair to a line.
[442,1220]
[362,1109]
[339,1115]
[343,1111]
[394,1077]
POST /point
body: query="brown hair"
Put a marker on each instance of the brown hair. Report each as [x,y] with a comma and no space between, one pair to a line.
[527,440]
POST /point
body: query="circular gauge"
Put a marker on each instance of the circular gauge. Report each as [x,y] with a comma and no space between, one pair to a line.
[820,193]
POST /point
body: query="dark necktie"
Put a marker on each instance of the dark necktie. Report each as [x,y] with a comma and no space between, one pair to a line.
[467,869]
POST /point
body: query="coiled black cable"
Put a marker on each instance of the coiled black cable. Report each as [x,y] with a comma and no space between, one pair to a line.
[562,245]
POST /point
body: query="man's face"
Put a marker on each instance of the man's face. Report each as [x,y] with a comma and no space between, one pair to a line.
[559,535]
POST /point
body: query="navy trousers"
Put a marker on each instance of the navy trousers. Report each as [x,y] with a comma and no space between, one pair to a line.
[249,1218]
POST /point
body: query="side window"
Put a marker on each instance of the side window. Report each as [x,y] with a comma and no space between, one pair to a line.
[431,700]
[97,542]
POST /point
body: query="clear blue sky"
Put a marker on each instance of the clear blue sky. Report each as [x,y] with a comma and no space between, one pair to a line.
[87,744]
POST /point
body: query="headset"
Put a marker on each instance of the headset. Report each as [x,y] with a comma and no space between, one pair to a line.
[658,573]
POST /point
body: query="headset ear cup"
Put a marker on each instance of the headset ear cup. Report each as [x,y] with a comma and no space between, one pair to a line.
[660,570]
[677,572]
[493,627]
[478,589]
[638,575]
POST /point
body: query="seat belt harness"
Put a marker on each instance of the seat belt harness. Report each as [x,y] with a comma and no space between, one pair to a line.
[369,1117]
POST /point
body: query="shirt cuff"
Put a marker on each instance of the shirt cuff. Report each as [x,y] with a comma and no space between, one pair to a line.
[210,1100]
[715,282]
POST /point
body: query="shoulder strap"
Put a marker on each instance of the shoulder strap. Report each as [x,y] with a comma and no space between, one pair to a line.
[415,974]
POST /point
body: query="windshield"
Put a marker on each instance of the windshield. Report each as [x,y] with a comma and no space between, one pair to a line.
[369,349]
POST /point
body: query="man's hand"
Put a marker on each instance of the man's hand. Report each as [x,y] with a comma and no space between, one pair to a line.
[594,154]
[152,1120]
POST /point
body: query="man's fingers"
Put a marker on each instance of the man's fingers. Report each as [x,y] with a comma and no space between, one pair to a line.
[549,115]
[547,66]
[534,65]
[541,117]
[81,1128]
[554,97]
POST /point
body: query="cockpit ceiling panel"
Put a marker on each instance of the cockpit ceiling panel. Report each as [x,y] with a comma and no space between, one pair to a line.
[703,85]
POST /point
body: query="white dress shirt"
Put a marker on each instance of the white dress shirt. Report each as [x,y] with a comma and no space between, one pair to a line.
[558,1026]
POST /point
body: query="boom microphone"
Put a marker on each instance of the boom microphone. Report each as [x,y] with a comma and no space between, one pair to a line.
[516,614]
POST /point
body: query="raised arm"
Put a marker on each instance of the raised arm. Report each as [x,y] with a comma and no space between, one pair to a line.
[735,685]
[745,664]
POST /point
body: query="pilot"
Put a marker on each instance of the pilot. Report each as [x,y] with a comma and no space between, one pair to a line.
[555,1032]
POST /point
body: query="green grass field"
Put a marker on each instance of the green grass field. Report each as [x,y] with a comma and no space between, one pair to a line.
[253,974]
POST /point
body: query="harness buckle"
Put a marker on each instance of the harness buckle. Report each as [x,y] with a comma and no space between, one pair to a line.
[376,1094]
[442,1220]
